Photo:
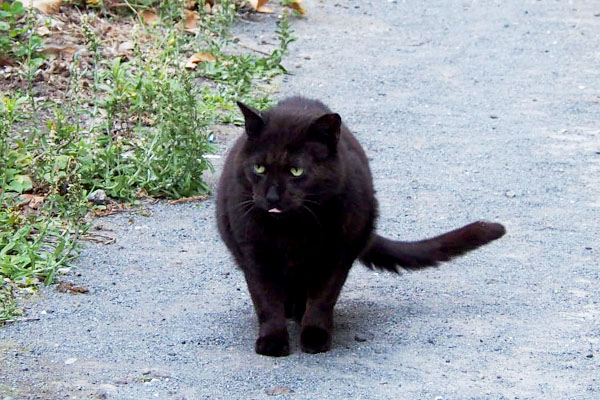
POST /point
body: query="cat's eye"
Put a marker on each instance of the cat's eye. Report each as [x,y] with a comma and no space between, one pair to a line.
[259,169]
[297,171]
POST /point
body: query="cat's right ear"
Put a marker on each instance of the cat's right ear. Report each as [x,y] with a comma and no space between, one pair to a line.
[253,120]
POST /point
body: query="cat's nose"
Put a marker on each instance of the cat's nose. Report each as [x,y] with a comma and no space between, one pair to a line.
[272,195]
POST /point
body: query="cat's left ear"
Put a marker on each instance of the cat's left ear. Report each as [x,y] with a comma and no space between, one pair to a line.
[326,129]
[253,119]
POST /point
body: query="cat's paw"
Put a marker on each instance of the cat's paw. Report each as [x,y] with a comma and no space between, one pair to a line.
[315,340]
[273,346]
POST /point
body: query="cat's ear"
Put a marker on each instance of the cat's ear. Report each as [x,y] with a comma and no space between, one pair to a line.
[326,129]
[253,120]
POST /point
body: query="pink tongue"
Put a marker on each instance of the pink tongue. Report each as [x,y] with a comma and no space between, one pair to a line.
[275,210]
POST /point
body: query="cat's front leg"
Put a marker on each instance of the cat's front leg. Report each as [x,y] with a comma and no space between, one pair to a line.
[317,323]
[268,298]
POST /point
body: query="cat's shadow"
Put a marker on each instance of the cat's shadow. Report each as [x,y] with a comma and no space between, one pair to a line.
[360,323]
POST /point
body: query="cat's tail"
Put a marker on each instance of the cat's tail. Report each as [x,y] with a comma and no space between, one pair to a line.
[390,255]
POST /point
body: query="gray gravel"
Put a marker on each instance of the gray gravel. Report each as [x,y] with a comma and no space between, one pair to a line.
[468,110]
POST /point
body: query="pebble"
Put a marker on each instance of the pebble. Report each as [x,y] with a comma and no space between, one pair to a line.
[360,338]
[278,391]
[98,197]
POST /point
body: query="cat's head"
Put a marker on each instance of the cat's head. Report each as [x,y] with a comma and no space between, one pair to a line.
[290,159]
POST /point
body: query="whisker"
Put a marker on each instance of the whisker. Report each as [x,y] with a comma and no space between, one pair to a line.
[311,201]
[247,211]
[244,203]
[313,214]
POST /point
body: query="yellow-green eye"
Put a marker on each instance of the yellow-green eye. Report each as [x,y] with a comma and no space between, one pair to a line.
[297,171]
[259,169]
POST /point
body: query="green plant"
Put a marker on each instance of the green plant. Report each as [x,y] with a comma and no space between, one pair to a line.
[18,38]
[10,30]
[126,125]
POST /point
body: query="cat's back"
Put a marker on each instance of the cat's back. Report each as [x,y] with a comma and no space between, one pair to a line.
[302,105]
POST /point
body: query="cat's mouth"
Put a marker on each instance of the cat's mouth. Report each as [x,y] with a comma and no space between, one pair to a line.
[274,210]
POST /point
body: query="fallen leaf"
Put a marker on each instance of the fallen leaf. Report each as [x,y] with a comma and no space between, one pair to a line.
[191,21]
[208,8]
[66,52]
[109,209]
[296,5]
[259,6]
[256,4]
[98,238]
[44,6]
[65,287]
[188,199]
[6,61]
[148,17]
[31,200]
[265,10]
[125,48]
[43,31]
[197,58]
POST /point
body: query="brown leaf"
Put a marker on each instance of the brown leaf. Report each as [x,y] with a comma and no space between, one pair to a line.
[99,238]
[6,61]
[188,199]
[191,21]
[44,6]
[148,17]
[31,200]
[259,6]
[109,209]
[197,58]
[65,287]
[66,52]
[265,10]
[208,8]
[256,4]
[296,5]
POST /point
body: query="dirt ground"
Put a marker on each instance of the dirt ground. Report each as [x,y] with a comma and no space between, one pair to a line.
[467,110]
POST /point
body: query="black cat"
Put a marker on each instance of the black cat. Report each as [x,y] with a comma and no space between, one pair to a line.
[296,208]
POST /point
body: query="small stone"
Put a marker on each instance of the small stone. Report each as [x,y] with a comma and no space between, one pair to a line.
[510,194]
[278,391]
[146,371]
[493,116]
[71,360]
[590,355]
[120,381]
[98,197]
[105,390]
[360,338]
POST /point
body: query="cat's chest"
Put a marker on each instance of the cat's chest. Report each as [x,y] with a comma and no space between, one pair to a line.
[290,245]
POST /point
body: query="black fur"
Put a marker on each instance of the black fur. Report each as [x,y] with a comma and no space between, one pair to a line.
[296,237]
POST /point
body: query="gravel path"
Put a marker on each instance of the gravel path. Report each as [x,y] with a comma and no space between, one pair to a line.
[468,110]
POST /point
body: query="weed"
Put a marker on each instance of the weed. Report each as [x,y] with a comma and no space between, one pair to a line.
[126,125]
